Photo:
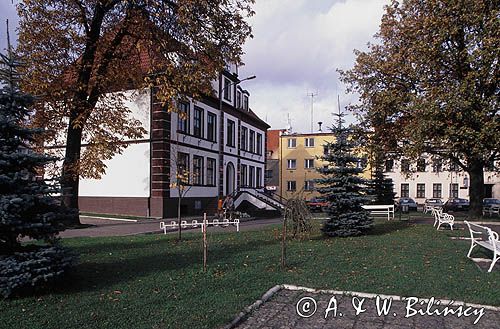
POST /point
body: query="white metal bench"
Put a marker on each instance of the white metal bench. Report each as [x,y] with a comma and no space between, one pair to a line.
[386,210]
[486,238]
[429,208]
[491,210]
[441,218]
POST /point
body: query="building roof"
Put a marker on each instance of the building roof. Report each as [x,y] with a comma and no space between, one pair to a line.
[272,141]
[319,133]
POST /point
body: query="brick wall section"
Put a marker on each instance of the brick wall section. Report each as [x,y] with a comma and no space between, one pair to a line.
[114,205]
[160,158]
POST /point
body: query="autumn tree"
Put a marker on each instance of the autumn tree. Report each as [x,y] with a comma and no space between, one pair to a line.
[82,54]
[432,79]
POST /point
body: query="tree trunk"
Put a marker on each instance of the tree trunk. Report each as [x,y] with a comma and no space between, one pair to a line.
[70,171]
[179,217]
[476,189]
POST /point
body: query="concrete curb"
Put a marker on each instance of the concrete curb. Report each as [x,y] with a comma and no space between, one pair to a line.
[247,310]
[110,218]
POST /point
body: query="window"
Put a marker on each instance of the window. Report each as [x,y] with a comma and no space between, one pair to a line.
[292,143]
[421,165]
[291,185]
[405,165]
[183,117]
[309,142]
[268,174]
[244,138]
[230,133]
[437,190]
[211,127]
[197,170]
[243,175]
[420,190]
[309,163]
[291,164]
[325,150]
[252,141]
[238,99]
[258,177]
[198,122]
[211,171]
[405,190]
[389,165]
[454,190]
[251,176]
[245,102]
[309,185]
[259,144]
[227,89]
[437,165]
[182,168]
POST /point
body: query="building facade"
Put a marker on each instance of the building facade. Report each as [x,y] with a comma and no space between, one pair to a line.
[212,146]
[430,178]
[299,157]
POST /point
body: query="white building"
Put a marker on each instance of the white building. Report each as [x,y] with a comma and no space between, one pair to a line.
[436,179]
[219,142]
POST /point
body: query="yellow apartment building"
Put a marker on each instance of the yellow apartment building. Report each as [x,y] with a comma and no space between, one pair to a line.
[299,156]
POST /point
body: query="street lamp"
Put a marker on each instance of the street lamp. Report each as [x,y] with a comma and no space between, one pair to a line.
[221,125]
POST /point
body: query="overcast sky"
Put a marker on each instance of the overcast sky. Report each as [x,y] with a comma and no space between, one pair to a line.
[297,47]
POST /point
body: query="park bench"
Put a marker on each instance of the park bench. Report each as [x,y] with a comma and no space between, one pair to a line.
[490,210]
[441,218]
[386,210]
[486,238]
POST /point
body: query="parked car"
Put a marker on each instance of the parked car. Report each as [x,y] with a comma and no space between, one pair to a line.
[412,205]
[456,204]
[434,202]
[490,202]
[491,206]
[317,204]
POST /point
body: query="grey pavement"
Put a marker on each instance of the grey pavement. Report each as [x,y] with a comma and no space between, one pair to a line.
[282,311]
[99,227]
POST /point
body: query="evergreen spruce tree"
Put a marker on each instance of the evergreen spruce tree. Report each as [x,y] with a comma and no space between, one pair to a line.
[343,186]
[382,186]
[28,208]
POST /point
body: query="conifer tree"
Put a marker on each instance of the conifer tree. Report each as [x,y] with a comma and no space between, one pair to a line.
[28,208]
[382,187]
[343,186]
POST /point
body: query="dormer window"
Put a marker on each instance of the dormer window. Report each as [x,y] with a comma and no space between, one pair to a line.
[245,102]
[227,89]
[238,99]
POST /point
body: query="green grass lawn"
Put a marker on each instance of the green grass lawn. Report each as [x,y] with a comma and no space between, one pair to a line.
[152,281]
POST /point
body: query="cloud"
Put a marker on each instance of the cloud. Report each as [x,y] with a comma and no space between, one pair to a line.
[297,48]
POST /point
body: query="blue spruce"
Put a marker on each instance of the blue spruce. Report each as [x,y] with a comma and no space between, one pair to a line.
[343,186]
[28,209]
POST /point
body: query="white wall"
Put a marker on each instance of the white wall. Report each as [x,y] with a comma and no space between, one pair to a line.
[445,178]
[127,174]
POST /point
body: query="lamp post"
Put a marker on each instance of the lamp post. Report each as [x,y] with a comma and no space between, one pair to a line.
[221,125]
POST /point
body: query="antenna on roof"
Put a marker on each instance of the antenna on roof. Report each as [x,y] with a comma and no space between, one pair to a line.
[312,95]
[289,124]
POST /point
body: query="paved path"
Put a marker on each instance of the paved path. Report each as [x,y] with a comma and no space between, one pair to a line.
[281,311]
[105,227]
